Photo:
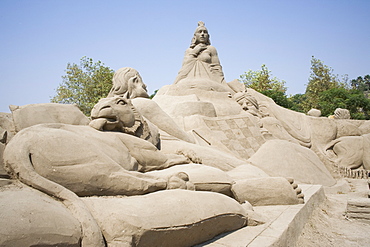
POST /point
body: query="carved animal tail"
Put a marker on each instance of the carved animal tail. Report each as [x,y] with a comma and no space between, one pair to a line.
[18,162]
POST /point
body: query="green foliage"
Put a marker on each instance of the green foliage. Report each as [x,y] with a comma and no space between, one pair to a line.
[84,84]
[279,98]
[262,80]
[332,99]
[353,100]
[321,79]
[152,95]
[325,91]
[296,102]
[361,84]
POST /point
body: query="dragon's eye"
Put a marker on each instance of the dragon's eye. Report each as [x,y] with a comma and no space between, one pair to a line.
[121,102]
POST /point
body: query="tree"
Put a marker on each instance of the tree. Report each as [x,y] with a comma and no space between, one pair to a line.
[332,99]
[279,98]
[296,102]
[262,80]
[358,105]
[321,79]
[361,84]
[352,100]
[84,84]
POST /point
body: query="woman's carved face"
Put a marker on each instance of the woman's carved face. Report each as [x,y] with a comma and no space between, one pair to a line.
[137,88]
[201,35]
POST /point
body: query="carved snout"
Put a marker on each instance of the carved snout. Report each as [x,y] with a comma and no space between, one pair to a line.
[112,113]
[104,112]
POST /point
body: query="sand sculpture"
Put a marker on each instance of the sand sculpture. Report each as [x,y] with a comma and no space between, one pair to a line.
[177,170]
[201,60]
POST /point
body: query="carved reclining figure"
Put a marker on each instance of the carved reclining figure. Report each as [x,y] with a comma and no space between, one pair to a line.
[59,159]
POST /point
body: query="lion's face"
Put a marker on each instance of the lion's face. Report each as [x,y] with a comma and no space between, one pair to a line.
[113,113]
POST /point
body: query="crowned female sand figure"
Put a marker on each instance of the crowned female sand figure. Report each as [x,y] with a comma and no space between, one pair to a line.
[201,66]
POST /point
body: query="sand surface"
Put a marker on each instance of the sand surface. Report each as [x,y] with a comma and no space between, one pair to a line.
[329,225]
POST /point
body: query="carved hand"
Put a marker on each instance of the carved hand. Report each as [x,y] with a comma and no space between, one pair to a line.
[198,49]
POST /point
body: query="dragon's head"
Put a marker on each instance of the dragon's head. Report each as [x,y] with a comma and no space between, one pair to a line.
[118,114]
[113,114]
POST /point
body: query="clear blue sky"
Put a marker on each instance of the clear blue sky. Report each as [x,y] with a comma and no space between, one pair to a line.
[39,37]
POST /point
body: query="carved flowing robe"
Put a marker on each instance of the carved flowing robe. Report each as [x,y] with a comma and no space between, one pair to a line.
[205,66]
